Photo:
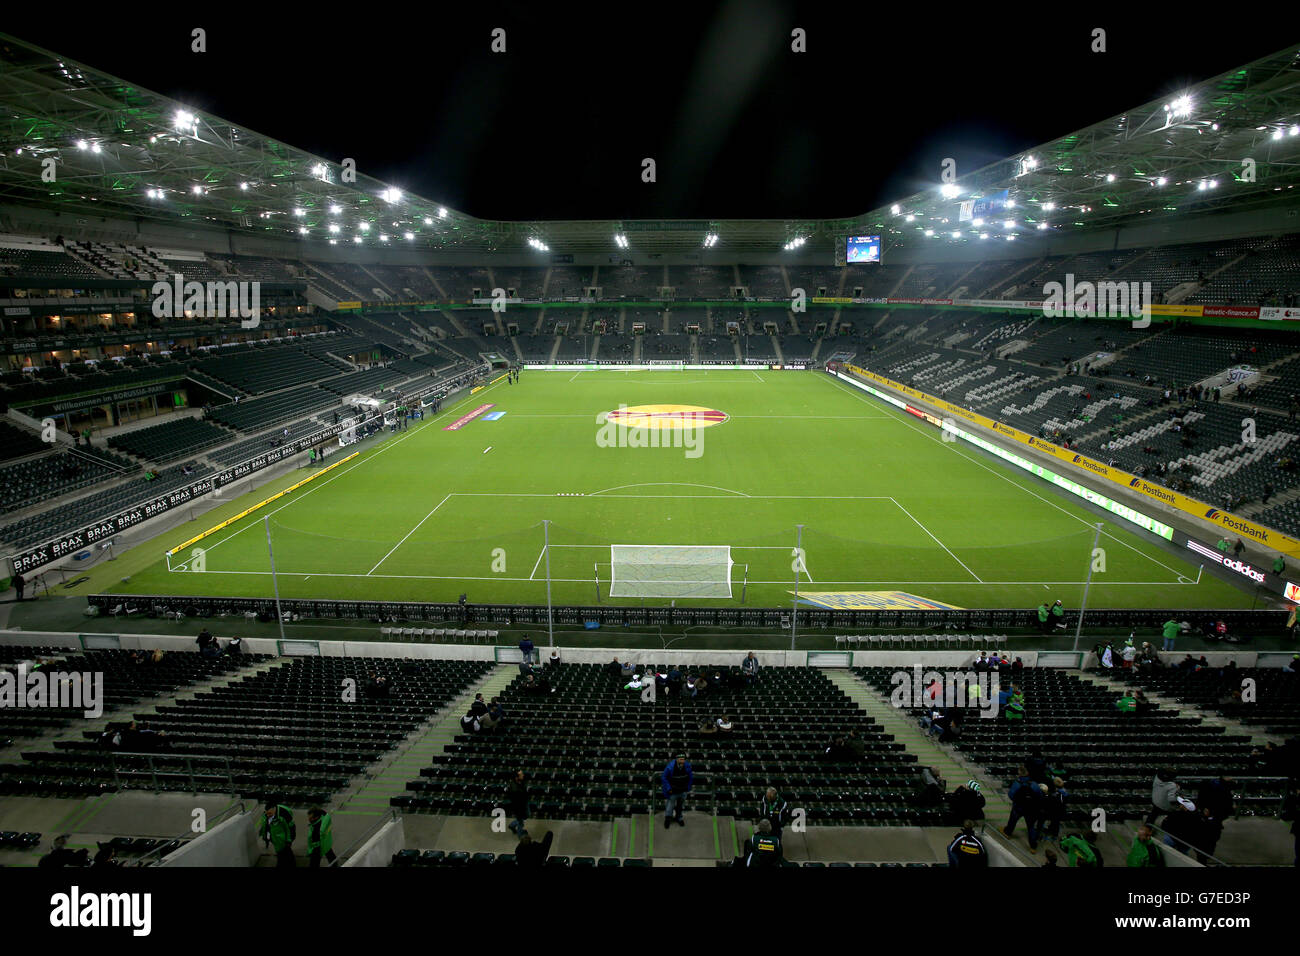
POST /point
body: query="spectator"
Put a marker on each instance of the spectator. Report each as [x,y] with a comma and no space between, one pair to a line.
[320,837]
[106,857]
[1290,813]
[517,803]
[678,780]
[856,745]
[1164,794]
[1207,834]
[494,715]
[763,849]
[1026,801]
[932,788]
[774,810]
[1170,631]
[60,855]
[614,669]
[836,752]
[1015,706]
[479,707]
[19,583]
[469,724]
[554,659]
[966,803]
[1081,850]
[724,724]
[531,853]
[526,648]
[1054,807]
[673,682]
[1058,615]
[749,668]
[1036,767]
[1216,796]
[208,645]
[278,831]
[967,850]
[1128,655]
[1145,851]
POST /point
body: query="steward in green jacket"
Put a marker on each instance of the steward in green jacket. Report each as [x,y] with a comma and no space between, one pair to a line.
[1145,850]
[278,831]
[320,836]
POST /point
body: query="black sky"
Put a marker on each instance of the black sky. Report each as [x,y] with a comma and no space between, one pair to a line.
[739,126]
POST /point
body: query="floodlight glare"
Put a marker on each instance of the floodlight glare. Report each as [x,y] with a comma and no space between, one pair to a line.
[895,209]
[948,190]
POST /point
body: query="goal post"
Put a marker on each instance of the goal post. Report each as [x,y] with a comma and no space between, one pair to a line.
[670,571]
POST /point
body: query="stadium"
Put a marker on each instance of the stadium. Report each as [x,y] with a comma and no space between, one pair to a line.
[345,528]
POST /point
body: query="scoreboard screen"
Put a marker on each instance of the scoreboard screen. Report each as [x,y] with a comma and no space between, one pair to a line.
[863,249]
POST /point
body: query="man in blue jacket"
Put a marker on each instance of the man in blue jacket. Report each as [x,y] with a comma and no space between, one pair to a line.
[678,779]
[526,646]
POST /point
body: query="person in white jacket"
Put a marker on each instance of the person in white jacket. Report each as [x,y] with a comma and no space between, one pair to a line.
[1164,794]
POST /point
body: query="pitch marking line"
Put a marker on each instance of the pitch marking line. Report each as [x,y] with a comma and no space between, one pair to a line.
[757,376]
[937,541]
[541,554]
[901,418]
[375,453]
[782,583]
[408,534]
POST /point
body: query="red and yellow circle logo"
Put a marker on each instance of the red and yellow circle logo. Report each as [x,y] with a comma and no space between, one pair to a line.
[666,416]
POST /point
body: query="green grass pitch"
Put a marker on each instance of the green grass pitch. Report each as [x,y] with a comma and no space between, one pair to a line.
[885,505]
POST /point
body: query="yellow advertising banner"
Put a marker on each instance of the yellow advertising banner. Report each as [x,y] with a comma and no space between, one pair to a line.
[248,511]
[1268,537]
[1176,310]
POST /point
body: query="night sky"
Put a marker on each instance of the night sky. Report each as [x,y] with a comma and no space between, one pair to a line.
[739,126]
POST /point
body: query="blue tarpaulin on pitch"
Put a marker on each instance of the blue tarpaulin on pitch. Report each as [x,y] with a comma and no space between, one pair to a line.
[492,416]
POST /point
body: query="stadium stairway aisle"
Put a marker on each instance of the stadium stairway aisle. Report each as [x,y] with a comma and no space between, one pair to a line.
[1246,840]
[929,753]
[1256,734]
[369,795]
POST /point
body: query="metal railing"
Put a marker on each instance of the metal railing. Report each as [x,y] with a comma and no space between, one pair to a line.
[154,760]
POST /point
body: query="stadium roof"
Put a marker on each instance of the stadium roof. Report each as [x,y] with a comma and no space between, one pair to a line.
[121,150]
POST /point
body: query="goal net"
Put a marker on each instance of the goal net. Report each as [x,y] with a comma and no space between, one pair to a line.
[670,571]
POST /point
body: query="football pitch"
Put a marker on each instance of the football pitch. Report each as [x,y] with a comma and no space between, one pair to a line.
[550,487]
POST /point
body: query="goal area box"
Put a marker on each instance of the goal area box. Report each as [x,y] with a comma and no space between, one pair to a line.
[670,571]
